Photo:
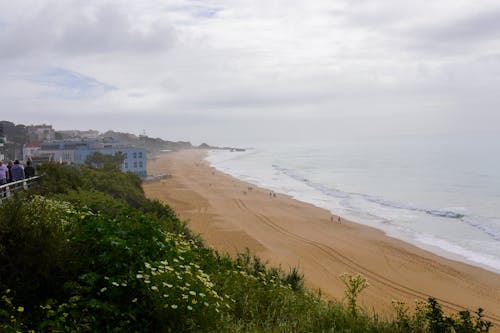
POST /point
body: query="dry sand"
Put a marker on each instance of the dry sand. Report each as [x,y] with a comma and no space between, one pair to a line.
[232,215]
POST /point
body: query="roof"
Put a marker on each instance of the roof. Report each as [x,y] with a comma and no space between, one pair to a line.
[33,144]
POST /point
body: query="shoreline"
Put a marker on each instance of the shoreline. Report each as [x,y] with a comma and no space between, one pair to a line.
[460,255]
[232,215]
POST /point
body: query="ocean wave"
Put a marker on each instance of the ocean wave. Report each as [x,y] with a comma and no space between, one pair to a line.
[405,206]
[377,200]
[320,187]
[476,222]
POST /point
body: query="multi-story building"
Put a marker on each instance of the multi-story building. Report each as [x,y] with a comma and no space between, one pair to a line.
[77,152]
[134,158]
[41,133]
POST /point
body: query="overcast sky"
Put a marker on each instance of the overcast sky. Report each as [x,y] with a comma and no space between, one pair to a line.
[234,71]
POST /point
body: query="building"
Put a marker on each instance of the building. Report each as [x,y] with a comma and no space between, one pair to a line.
[15,136]
[135,158]
[77,134]
[70,151]
[41,133]
[30,150]
[2,143]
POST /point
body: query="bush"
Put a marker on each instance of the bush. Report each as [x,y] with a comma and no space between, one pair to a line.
[34,252]
[58,178]
[106,190]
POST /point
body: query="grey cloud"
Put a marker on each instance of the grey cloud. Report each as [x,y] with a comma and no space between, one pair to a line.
[26,37]
[423,27]
[110,30]
[461,34]
[76,29]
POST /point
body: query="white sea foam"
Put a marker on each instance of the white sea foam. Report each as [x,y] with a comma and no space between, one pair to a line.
[454,251]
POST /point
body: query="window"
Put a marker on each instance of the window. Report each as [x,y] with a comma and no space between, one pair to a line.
[140,164]
[140,154]
[135,165]
[126,165]
[135,155]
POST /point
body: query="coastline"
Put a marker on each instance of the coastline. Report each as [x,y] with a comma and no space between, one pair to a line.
[232,215]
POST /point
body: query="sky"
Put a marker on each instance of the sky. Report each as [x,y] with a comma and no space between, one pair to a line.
[230,71]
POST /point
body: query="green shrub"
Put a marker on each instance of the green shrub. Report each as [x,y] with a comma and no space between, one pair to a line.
[57,178]
[34,251]
[106,190]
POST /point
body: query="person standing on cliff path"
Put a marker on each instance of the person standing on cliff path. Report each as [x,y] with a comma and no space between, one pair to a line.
[4,174]
[17,171]
[29,170]
[9,174]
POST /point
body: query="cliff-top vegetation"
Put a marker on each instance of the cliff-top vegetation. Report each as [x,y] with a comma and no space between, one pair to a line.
[85,251]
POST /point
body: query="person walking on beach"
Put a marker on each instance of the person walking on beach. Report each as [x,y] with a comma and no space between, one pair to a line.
[338,219]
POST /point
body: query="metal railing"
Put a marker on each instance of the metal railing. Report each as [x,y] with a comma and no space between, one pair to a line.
[8,189]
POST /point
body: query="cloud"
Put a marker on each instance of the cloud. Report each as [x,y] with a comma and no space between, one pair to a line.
[467,34]
[77,28]
[109,29]
[248,62]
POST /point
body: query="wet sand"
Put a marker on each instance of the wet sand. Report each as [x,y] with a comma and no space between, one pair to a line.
[232,215]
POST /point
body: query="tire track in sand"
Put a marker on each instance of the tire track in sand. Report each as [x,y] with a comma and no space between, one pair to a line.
[354,266]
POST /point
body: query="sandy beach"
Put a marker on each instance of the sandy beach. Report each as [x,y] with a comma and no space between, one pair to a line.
[232,215]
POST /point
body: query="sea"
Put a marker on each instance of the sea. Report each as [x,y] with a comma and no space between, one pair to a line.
[438,192]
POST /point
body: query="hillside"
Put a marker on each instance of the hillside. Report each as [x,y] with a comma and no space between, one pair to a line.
[85,251]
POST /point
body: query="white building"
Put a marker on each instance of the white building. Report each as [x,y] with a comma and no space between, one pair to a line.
[78,151]
[30,150]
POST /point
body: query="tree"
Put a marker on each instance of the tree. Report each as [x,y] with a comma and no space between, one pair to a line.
[98,159]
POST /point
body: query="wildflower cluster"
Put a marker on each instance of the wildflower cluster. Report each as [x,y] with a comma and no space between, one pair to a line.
[60,208]
[11,316]
[179,283]
[58,211]
[270,279]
